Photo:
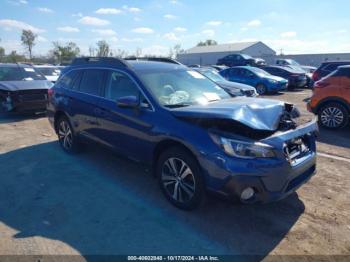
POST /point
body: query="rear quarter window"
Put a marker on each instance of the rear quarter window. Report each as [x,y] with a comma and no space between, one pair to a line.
[66,81]
[92,81]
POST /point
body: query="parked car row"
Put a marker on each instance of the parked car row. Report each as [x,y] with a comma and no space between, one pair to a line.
[297,75]
[49,71]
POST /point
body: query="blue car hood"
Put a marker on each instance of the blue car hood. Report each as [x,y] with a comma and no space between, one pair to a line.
[277,78]
[24,85]
[256,113]
[228,85]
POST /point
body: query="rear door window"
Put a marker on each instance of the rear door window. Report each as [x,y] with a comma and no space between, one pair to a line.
[92,81]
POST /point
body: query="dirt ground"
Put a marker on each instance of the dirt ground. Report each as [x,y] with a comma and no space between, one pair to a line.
[98,203]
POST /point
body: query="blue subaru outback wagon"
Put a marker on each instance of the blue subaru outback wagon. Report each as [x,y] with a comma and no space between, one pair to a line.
[196,137]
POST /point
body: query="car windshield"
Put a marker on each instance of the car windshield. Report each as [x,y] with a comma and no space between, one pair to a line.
[293,62]
[178,88]
[49,71]
[20,74]
[212,75]
[259,72]
[246,56]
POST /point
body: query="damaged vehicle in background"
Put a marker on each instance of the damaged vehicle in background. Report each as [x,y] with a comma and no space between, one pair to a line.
[22,88]
[193,134]
[234,89]
[49,71]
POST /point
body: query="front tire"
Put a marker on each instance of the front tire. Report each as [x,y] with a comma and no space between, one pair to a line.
[66,136]
[261,89]
[180,179]
[333,116]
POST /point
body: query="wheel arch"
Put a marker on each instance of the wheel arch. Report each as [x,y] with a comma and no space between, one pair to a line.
[58,115]
[333,100]
[166,144]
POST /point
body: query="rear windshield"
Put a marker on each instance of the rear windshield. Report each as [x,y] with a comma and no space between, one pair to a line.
[20,74]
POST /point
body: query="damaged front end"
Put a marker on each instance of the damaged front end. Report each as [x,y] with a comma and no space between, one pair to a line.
[267,149]
[6,103]
[250,118]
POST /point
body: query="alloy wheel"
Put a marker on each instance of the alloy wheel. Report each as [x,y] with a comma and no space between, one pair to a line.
[65,135]
[178,180]
[332,117]
[260,89]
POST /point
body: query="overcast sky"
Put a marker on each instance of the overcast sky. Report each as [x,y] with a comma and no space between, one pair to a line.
[311,26]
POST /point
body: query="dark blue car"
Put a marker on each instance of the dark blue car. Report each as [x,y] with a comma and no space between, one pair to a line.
[194,135]
[263,81]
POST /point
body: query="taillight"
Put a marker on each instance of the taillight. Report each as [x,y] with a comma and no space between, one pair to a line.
[321,84]
[315,76]
[50,92]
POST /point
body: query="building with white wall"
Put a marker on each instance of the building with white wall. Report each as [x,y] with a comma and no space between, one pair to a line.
[208,55]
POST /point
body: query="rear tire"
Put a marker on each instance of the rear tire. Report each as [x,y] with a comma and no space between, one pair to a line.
[180,179]
[66,137]
[333,116]
[261,89]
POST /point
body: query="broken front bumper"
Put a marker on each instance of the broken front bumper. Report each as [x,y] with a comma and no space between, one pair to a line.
[270,178]
[27,100]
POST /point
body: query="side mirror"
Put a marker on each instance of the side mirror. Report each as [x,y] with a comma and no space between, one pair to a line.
[128,102]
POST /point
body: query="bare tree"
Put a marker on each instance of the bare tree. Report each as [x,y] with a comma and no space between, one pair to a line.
[2,52]
[103,48]
[120,53]
[28,40]
[138,52]
[92,51]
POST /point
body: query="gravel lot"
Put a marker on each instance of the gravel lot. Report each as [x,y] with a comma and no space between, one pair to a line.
[99,203]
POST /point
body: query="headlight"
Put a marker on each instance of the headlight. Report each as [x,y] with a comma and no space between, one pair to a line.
[242,149]
[272,81]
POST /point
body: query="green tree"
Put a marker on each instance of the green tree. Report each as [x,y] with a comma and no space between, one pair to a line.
[65,53]
[2,53]
[103,49]
[28,40]
[207,43]
[13,57]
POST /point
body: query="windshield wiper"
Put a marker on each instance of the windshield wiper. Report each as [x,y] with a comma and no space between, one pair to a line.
[178,105]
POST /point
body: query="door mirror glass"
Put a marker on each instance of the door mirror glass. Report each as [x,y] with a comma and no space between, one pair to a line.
[128,102]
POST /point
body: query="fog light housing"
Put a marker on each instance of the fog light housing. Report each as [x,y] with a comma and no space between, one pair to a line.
[247,193]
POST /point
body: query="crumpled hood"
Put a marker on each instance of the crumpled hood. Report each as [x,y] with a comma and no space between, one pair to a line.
[256,113]
[24,85]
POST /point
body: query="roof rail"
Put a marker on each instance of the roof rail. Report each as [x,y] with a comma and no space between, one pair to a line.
[99,60]
[155,59]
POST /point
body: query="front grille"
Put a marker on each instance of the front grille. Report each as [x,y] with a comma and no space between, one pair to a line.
[296,148]
[32,95]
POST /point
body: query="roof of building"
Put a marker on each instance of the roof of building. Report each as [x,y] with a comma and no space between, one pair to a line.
[232,47]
